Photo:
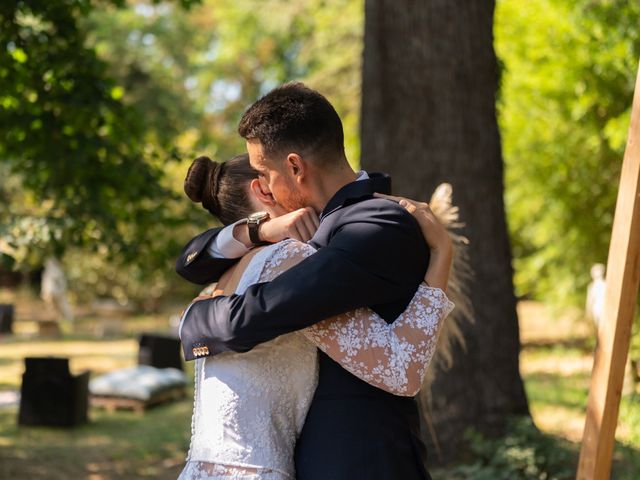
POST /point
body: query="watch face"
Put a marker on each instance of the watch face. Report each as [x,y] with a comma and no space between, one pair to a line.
[257,216]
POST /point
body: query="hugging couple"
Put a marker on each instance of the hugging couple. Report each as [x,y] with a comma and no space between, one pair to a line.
[326,299]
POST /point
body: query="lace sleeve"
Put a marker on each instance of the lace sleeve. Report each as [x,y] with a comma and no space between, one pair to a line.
[393,357]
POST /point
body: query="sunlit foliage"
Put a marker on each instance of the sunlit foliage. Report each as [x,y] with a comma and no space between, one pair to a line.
[104,103]
[567,85]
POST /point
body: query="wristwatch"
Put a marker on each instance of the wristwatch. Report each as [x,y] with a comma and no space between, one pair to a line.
[253,223]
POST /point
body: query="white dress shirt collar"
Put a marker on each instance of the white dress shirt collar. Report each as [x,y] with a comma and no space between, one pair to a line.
[362,175]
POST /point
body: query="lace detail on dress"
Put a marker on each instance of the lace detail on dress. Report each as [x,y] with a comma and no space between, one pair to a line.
[394,357]
[216,471]
[249,408]
[198,370]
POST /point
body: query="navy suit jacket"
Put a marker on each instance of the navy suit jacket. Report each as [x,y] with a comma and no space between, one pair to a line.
[370,253]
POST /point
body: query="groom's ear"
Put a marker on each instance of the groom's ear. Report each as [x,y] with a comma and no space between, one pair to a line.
[297,166]
[264,196]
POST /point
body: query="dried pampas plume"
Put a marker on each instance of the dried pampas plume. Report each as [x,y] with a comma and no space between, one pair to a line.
[457,290]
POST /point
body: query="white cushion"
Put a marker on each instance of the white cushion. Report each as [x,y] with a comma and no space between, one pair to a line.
[141,382]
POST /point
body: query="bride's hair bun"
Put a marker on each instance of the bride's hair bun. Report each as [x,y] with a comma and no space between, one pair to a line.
[201,183]
[222,188]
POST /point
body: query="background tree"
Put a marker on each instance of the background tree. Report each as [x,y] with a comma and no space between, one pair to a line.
[567,88]
[569,72]
[83,167]
[65,130]
[106,103]
[428,115]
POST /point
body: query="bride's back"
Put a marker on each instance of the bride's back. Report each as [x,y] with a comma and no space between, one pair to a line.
[250,407]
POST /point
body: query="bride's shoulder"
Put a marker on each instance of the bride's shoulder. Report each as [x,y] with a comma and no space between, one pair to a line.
[290,248]
[283,255]
[268,262]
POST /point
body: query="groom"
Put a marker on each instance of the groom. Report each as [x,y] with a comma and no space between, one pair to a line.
[371,253]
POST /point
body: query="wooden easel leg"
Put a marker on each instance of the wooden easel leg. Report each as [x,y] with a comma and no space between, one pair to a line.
[623,276]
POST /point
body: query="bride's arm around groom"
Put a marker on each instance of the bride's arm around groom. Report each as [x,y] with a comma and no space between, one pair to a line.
[375,256]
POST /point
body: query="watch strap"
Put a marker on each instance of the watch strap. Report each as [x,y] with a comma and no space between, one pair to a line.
[254,232]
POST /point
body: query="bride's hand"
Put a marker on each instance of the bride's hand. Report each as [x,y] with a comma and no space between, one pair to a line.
[300,225]
[216,292]
[437,237]
[433,231]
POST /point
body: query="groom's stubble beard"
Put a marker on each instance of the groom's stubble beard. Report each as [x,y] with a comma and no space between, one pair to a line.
[293,199]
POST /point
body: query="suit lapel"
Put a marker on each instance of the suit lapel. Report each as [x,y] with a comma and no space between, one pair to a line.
[357,191]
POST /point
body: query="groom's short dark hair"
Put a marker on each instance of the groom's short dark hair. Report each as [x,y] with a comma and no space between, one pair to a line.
[295,118]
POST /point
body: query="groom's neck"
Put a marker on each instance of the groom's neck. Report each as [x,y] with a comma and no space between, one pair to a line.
[330,180]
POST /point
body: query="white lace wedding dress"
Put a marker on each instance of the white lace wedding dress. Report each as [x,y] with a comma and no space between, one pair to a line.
[249,408]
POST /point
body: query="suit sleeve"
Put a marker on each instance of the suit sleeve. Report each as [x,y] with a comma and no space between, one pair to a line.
[197,265]
[369,262]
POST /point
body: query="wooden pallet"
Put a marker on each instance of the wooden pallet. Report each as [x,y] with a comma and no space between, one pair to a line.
[111,404]
[48,329]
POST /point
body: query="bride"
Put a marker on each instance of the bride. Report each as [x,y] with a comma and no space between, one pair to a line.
[249,408]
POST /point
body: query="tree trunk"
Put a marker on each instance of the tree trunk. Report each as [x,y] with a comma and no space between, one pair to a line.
[430,78]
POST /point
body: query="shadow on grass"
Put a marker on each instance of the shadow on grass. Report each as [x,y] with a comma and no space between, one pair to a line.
[7,361]
[122,356]
[552,389]
[113,445]
[581,344]
[124,445]
[525,453]
[82,337]
[626,462]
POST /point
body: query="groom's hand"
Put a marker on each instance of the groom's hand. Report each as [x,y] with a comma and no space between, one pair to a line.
[300,225]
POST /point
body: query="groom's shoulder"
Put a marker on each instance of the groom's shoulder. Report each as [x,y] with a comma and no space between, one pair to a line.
[375,221]
[381,234]
[377,210]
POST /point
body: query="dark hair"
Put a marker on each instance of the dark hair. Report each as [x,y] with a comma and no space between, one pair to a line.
[294,117]
[222,188]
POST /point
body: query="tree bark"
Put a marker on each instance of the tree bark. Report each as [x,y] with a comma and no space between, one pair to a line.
[430,79]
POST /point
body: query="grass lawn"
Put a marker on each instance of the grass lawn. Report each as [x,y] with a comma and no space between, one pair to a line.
[120,445]
[556,364]
[113,446]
